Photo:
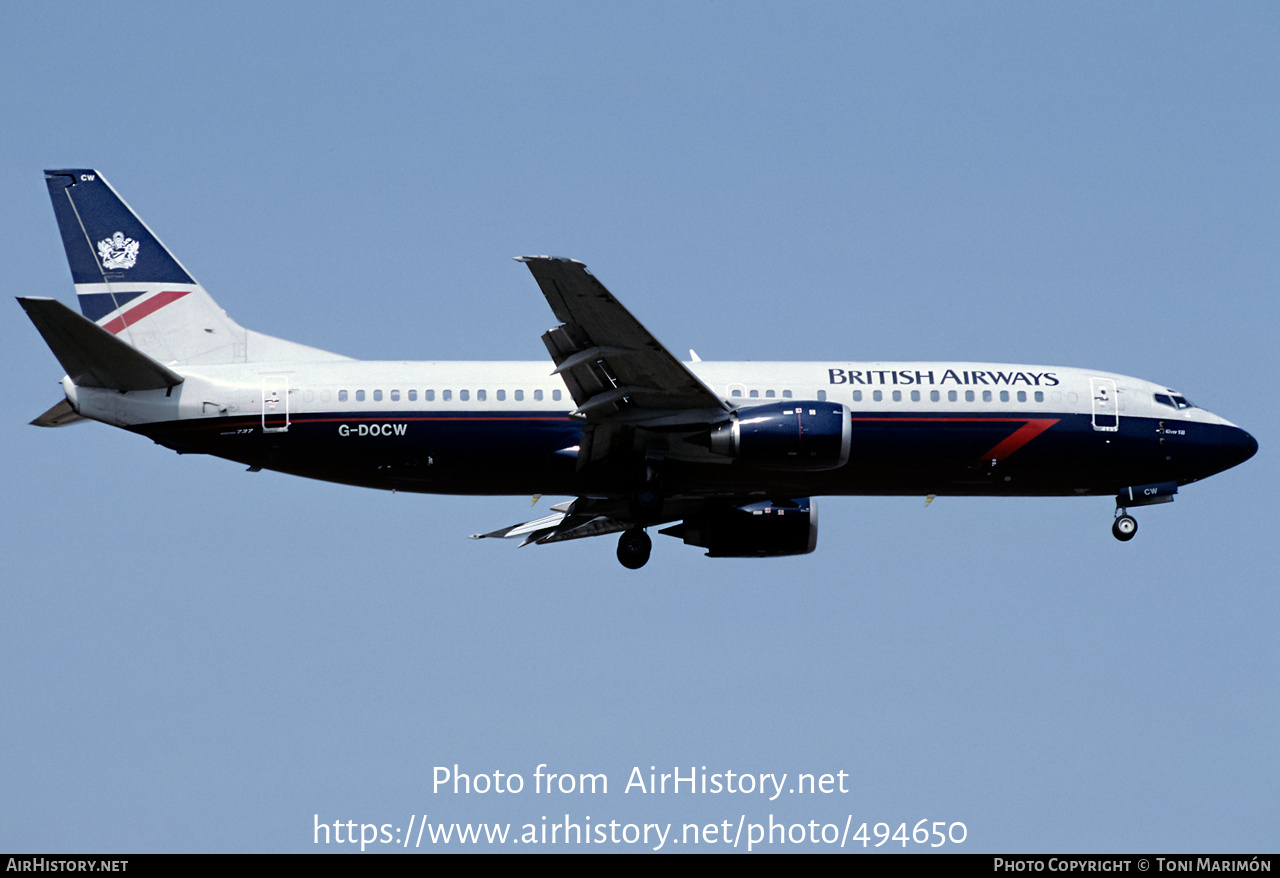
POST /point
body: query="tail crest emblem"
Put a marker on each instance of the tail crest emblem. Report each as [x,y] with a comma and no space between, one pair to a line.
[118,252]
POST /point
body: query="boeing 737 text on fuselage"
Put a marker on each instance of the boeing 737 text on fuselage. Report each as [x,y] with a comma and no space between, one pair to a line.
[726,455]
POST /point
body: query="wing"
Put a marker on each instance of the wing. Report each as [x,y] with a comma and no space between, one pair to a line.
[571,520]
[616,371]
[628,388]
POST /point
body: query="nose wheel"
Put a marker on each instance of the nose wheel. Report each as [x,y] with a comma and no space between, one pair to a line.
[1125,526]
[634,547]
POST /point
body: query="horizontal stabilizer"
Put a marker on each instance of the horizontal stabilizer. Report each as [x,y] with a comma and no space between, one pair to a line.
[61,415]
[92,356]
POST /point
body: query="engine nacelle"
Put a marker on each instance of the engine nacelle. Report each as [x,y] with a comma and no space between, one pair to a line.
[799,434]
[758,530]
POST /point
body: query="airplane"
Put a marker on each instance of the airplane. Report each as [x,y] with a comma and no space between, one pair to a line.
[727,455]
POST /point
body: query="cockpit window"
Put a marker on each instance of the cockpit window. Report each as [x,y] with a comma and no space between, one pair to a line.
[1174,401]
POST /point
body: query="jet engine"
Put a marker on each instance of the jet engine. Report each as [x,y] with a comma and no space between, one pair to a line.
[799,434]
[757,530]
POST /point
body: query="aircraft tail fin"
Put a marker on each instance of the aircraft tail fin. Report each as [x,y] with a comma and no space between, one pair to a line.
[129,283]
[135,289]
[92,356]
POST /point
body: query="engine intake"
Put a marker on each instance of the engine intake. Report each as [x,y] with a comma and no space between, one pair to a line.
[758,530]
[800,434]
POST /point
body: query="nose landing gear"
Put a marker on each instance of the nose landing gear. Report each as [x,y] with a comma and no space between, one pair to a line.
[634,547]
[1125,526]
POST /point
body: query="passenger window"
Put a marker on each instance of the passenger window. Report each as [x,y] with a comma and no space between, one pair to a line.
[377,396]
[968,396]
[857,396]
[934,396]
[986,396]
[464,395]
[1004,396]
[537,394]
[480,395]
[877,395]
[952,396]
[822,394]
[413,396]
[429,396]
[1039,396]
[395,396]
[770,394]
[342,396]
[897,396]
[1022,396]
[736,392]
[446,395]
[786,394]
[555,394]
[755,394]
[502,394]
[915,396]
[519,396]
[359,396]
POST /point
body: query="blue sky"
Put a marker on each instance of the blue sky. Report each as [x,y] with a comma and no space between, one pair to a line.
[197,658]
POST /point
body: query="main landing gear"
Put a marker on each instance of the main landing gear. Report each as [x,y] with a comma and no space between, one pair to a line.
[634,547]
[1125,526]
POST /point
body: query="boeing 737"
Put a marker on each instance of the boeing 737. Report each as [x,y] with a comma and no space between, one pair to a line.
[727,455]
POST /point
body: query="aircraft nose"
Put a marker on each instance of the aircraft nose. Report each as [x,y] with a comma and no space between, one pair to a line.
[1242,446]
[1217,448]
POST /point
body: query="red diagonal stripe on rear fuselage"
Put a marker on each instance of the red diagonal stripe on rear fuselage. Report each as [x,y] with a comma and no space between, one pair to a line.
[1030,429]
[1020,437]
[150,306]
